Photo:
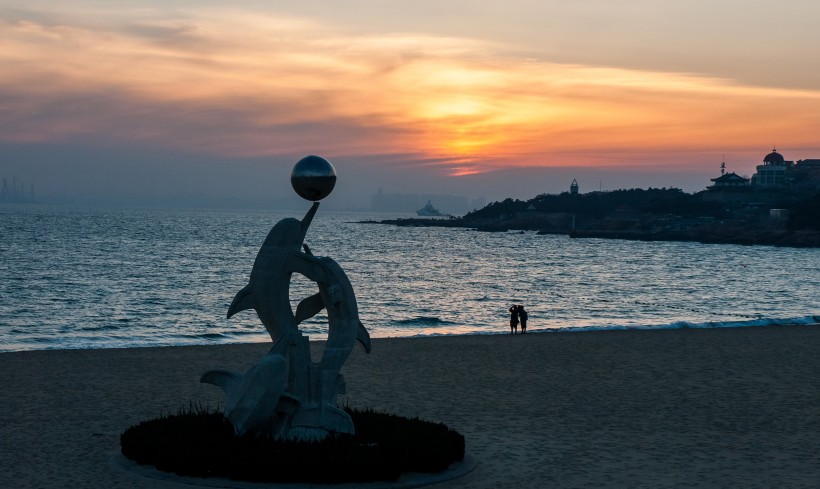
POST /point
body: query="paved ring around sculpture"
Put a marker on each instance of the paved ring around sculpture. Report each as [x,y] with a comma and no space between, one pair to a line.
[407,480]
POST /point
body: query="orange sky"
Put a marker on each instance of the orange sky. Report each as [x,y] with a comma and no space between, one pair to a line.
[614,89]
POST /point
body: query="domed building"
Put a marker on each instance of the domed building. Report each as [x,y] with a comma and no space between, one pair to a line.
[772,173]
[774,158]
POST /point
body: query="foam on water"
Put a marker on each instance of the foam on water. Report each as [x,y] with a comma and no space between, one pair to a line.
[96,278]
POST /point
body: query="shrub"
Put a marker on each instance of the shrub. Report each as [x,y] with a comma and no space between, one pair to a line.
[200,442]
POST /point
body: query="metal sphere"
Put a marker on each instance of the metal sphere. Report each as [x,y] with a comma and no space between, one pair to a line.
[313,178]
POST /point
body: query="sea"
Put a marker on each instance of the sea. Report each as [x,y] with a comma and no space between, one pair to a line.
[76,277]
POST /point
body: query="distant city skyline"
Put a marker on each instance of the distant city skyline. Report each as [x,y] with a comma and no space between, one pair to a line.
[12,190]
[181,100]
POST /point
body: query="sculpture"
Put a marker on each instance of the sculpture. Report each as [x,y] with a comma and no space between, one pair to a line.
[286,394]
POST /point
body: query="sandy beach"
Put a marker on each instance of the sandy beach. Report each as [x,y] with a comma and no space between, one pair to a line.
[670,408]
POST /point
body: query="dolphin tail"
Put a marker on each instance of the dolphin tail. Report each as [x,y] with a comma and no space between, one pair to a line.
[364,337]
[243,300]
[309,307]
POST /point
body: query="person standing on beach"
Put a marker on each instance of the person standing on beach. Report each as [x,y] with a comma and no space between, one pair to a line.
[522,316]
[513,319]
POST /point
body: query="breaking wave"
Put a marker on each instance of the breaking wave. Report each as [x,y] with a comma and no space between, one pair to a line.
[422,321]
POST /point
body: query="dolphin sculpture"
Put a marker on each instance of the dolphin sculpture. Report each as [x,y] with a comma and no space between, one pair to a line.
[254,400]
[259,400]
[269,285]
[337,296]
[318,414]
[286,394]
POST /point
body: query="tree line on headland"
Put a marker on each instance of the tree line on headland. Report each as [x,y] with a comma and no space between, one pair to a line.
[772,216]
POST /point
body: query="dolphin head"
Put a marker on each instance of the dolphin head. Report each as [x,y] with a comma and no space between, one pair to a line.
[286,233]
[291,232]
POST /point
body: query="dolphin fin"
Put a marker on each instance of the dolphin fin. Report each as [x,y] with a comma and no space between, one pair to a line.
[223,379]
[364,337]
[242,301]
[309,307]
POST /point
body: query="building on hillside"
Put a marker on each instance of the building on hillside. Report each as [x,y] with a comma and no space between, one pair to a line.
[807,172]
[777,172]
[773,171]
[728,187]
[774,178]
[729,181]
[573,188]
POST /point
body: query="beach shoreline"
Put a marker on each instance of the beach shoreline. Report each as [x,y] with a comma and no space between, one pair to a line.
[734,407]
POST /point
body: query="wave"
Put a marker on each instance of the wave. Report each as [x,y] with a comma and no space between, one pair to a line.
[105,327]
[209,336]
[260,331]
[811,320]
[108,341]
[804,320]
[422,321]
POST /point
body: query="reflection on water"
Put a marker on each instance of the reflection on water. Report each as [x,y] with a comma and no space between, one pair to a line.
[82,277]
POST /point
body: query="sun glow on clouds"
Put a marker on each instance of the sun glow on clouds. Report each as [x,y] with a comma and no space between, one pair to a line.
[238,84]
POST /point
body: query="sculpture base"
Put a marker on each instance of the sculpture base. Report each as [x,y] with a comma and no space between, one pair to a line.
[286,395]
[405,481]
[203,444]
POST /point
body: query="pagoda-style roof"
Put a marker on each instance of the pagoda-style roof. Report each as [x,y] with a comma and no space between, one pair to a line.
[731,179]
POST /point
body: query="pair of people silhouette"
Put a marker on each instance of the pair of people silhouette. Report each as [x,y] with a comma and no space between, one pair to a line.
[518,315]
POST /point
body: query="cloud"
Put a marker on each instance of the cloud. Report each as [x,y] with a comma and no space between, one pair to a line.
[242,84]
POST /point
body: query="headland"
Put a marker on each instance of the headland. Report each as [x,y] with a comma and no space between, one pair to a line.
[779,205]
[770,217]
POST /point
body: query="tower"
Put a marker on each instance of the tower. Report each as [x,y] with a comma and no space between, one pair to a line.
[573,188]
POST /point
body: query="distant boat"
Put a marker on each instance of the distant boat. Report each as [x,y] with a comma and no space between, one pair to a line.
[429,210]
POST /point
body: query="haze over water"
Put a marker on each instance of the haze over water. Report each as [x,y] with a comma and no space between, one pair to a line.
[79,277]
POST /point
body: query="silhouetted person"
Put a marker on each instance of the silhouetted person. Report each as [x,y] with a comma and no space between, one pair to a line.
[513,319]
[522,316]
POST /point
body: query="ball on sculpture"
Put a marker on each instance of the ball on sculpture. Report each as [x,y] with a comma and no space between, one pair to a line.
[313,178]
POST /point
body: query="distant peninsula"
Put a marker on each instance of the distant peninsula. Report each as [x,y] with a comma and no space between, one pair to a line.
[779,205]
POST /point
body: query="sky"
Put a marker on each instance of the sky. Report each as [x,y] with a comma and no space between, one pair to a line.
[201,101]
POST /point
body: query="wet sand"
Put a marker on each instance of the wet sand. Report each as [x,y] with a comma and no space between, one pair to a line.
[672,408]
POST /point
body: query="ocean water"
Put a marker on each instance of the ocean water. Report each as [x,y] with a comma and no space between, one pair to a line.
[76,277]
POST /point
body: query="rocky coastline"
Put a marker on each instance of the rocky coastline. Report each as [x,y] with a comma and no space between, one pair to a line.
[773,219]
